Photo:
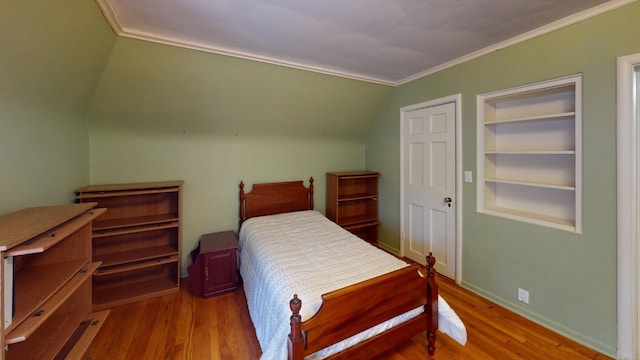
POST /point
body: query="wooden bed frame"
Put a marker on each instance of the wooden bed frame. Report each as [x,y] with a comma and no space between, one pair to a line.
[350,310]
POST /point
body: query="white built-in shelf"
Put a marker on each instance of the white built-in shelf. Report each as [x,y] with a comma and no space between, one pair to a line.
[534,218]
[534,184]
[530,153]
[567,115]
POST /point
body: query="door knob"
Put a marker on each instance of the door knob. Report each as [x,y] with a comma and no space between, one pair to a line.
[447,201]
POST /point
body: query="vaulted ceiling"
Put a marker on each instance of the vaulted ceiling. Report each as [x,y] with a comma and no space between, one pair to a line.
[386,41]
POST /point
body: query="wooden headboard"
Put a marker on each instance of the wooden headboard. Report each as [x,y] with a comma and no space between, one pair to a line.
[275,198]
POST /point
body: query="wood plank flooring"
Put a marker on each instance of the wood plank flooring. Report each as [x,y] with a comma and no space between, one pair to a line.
[182,326]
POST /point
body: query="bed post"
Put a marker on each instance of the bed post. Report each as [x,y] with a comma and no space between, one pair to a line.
[241,205]
[311,193]
[432,304]
[295,340]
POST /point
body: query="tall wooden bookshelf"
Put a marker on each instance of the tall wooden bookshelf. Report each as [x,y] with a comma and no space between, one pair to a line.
[46,285]
[138,240]
[352,202]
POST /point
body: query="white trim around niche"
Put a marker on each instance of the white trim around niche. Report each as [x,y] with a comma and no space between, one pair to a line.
[627,208]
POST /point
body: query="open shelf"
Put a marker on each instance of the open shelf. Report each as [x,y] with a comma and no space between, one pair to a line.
[34,286]
[358,220]
[132,266]
[98,191]
[110,293]
[109,224]
[360,196]
[47,285]
[544,205]
[137,240]
[534,184]
[28,322]
[134,229]
[364,230]
[352,202]
[568,115]
[144,254]
[124,294]
[79,344]
[45,241]
[40,220]
[531,217]
[550,135]
[530,153]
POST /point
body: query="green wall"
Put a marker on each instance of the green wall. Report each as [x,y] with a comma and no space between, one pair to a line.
[79,105]
[571,277]
[51,59]
[167,113]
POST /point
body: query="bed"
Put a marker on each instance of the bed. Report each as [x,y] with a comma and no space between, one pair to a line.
[316,291]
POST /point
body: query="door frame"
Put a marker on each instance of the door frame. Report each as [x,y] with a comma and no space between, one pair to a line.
[457,100]
[628,165]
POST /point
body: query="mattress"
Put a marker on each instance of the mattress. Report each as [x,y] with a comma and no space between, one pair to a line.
[304,253]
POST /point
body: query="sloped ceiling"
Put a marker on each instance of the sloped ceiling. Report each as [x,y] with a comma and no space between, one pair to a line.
[386,41]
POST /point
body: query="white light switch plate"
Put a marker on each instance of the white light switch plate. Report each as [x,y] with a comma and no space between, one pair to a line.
[468,176]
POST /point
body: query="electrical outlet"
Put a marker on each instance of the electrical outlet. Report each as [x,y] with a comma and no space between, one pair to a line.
[523,295]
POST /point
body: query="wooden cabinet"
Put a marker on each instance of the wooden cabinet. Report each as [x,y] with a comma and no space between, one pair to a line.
[530,153]
[137,240]
[352,202]
[214,269]
[47,299]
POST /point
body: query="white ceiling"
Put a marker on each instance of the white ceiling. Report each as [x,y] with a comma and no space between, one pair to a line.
[386,41]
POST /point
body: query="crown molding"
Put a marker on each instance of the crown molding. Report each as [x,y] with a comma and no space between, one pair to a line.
[113,21]
[558,24]
[248,56]
[112,18]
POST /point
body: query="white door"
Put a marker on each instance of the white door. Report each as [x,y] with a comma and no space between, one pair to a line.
[429,184]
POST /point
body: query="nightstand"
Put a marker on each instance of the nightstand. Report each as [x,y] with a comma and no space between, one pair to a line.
[214,269]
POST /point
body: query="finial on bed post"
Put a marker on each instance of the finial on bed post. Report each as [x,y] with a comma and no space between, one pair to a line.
[296,340]
[311,193]
[432,304]
[241,205]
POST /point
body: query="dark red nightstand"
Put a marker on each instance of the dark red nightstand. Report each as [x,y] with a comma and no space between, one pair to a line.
[214,270]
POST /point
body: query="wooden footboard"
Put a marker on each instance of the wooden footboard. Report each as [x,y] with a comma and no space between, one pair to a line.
[348,311]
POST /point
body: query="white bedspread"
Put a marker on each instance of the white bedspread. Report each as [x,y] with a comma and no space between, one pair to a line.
[304,253]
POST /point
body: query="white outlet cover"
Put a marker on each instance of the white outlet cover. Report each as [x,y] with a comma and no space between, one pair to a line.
[523,295]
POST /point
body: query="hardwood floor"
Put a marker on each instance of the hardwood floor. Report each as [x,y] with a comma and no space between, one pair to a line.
[182,326]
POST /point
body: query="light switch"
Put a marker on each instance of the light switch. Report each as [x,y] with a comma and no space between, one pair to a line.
[468,176]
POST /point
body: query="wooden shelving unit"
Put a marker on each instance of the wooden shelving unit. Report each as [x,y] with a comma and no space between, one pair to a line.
[137,240]
[352,202]
[530,153]
[47,304]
